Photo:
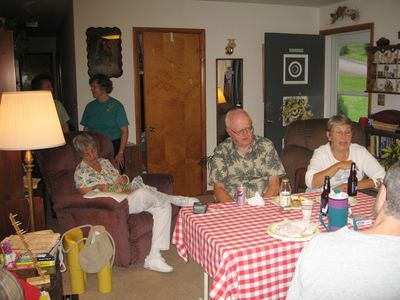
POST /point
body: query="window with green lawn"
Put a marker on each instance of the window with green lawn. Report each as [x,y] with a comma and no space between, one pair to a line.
[349,64]
[352,99]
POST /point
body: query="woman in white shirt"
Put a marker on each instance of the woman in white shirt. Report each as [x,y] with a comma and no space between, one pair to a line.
[335,157]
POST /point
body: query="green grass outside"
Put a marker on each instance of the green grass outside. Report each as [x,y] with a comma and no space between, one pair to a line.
[356,52]
[352,83]
[354,106]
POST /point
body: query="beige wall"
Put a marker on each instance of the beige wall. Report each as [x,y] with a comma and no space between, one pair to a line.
[245,22]
[384,15]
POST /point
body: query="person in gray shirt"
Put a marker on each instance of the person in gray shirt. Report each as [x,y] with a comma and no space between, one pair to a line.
[355,265]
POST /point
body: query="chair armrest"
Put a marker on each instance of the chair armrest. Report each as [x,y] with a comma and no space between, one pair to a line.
[300,180]
[294,157]
[76,210]
[76,200]
[162,181]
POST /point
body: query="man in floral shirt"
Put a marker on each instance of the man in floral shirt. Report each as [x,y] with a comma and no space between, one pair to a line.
[246,159]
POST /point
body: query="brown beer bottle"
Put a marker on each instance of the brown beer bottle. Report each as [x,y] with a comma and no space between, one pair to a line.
[326,189]
[352,181]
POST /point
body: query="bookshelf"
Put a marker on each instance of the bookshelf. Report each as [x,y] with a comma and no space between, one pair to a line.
[376,140]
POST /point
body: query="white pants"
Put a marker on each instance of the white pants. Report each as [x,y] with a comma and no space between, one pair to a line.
[159,205]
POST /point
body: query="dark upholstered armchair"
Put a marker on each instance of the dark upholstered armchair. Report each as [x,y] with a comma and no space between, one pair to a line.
[132,233]
[300,140]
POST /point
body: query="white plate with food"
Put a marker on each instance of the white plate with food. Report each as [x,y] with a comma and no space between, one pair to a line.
[293,230]
[295,201]
[352,200]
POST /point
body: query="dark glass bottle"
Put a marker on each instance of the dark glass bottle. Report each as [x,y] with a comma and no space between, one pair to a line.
[352,181]
[326,189]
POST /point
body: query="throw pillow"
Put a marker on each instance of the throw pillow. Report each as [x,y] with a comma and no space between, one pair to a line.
[10,288]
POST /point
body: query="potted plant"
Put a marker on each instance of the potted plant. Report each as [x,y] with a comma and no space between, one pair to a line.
[390,155]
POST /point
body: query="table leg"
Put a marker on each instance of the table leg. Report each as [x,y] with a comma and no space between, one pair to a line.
[205,291]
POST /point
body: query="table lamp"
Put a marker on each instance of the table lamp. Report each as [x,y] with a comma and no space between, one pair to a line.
[29,121]
[220,96]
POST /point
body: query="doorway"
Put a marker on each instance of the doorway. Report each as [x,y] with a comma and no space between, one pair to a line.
[169,68]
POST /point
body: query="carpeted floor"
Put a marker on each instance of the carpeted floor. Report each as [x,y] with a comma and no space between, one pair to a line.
[135,282]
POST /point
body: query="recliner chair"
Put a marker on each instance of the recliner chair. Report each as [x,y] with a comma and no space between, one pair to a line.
[132,233]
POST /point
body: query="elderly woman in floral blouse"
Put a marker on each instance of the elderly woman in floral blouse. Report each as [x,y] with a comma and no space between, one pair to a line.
[98,174]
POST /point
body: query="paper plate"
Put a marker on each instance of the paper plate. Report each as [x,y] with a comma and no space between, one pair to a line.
[275,230]
[352,200]
[275,201]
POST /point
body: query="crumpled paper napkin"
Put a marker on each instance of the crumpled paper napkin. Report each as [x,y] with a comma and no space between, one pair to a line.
[257,200]
[295,228]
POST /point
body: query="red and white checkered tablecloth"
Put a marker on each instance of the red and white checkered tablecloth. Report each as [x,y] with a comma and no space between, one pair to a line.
[231,244]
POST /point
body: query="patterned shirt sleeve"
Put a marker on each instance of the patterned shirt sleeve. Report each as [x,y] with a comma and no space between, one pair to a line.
[218,168]
[272,161]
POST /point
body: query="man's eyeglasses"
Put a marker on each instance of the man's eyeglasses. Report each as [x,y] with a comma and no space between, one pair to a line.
[243,132]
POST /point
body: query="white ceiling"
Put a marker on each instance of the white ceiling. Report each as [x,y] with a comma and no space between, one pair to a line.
[310,3]
[50,13]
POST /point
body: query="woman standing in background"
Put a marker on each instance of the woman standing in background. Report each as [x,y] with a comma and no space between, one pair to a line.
[44,82]
[106,115]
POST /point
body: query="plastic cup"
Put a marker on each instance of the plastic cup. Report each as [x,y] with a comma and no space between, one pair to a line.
[306,208]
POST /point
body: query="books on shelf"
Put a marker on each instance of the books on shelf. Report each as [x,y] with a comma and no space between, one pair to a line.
[378,142]
[43,259]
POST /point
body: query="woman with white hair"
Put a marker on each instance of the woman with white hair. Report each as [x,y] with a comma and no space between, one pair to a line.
[94,173]
[334,159]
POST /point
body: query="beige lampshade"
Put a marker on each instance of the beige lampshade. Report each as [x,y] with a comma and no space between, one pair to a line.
[29,121]
[221,98]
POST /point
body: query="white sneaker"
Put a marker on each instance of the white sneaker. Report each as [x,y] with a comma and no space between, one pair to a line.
[157,264]
[183,201]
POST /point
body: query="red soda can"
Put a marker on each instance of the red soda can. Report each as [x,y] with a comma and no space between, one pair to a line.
[241,195]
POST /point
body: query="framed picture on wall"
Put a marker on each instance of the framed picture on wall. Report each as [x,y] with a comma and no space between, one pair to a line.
[34,64]
[295,68]
[104,51]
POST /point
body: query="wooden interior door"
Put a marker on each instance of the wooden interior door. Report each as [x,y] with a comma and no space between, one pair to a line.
[174,110]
